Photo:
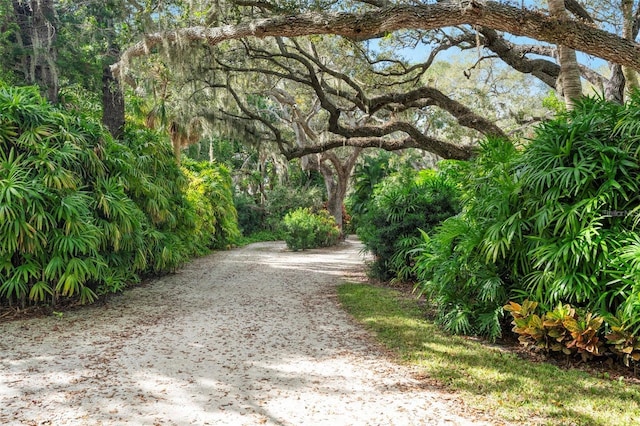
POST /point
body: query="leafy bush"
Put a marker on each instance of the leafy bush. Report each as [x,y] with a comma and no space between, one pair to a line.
[210,192]
[260,236]
[570,331]
[468,288]
[251,216]
[267,216]
[553,224]
[82,214]
[283,199]
[304,229]
[561,330]
[367,173]
[403,204]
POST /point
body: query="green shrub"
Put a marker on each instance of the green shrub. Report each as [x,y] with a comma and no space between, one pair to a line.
[251,216]
[368,172]
[83,215]
[304,229]
[467,288]
[284,199]
[260,236]
[562,330]
[402,205]
[554,224]
[210,192]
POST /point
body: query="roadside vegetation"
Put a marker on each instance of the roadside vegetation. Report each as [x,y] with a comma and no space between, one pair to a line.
[508,209]
[83,215]
[545,243]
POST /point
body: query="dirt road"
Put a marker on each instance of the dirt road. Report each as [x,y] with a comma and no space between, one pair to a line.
[245,337]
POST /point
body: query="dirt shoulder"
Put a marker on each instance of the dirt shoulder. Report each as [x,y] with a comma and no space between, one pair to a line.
[249,336]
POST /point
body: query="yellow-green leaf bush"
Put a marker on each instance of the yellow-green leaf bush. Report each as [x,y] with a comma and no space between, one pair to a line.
[555,223]
[305,229]
[82,214]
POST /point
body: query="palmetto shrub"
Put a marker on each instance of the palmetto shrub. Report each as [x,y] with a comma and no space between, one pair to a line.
[403,204]
[468,288]
[210,192]
[366,175]
[81,214]
[556,223]
[305,229]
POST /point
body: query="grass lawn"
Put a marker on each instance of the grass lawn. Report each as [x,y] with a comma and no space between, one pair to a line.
[489,379]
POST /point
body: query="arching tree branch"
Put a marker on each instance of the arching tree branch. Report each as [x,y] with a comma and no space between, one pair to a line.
[567,32]
[427,143]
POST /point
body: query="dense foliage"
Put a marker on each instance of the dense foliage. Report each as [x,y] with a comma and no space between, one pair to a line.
[366,175]
[265,210]
[83,215]
[555,223]
[468,288]
[210,194]
[401,206]
[305,229]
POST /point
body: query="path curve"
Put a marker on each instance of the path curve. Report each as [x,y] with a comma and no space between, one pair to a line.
[244,337]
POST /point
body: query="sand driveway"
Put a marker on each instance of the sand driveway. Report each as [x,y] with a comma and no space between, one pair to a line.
[246,337]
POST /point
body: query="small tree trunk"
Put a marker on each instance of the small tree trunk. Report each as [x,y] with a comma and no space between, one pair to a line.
[38,34]
[177,149]
[112,104]
[614,89]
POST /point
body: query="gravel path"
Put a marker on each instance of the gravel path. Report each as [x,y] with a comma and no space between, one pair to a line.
[245,337]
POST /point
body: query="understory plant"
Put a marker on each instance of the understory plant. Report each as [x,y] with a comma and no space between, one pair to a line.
[468,288]
[82,214]
[401,206]
[555,224]
[563,329]
[305,229]
[210,191]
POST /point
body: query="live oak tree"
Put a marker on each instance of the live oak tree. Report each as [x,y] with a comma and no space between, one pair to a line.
[36,38]
[382,101]
[374,19]
[373,101]
[58,43]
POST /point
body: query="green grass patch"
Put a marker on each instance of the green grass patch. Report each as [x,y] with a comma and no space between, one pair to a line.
[489,379]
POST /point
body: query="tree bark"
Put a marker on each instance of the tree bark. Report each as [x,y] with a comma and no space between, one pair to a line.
[569,69]
[113,114]
[629,32]
[112,104]
[533,24]
[38,34]
[614,89]
[336,174]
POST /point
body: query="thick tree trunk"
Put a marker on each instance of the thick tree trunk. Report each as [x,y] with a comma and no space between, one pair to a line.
[336,175]
[38,33]
[569,70]
[336,192]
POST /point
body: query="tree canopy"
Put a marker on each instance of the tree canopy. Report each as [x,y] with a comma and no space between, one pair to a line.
[323,80]
[362,101]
